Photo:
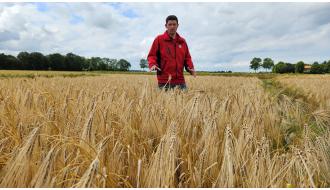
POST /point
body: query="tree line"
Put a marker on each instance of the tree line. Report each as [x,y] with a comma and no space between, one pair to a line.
[58,62]
[283,67]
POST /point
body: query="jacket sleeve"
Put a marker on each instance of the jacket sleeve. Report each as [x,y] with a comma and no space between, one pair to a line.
[187,60]
[152,56]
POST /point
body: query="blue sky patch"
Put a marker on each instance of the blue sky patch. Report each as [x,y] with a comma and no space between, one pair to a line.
[75,19]
[42,7]
[115,5]
[120,7]
[129,13]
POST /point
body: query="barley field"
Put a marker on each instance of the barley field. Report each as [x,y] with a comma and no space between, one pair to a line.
[314,86]
[121,131]
[48,74]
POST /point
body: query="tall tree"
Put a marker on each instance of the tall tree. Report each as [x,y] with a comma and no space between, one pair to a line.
[107,62]
[143,64]
[38,61]
[123,65]
[316,68]
[74,62]
[103,66]
[328,67]
[8,62]
[112,64]
[23,58]
[56,61]
[3,58]
[268,63]
[94,63]
[255,63]
[299,68]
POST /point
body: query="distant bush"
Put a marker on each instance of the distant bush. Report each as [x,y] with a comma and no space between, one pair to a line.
[282,67]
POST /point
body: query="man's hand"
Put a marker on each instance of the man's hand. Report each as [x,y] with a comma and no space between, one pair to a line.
[192,72]
[153,68]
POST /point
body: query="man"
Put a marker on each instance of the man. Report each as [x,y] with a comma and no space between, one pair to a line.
[168,55]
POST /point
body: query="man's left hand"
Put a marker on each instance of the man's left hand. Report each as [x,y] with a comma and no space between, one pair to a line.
[192,72]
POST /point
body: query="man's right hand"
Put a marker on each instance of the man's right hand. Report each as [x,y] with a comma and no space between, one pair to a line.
[153,68]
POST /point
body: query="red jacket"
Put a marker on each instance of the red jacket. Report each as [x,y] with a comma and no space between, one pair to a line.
[171,56]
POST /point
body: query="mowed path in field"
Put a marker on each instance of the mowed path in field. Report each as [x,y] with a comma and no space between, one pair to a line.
[122,131]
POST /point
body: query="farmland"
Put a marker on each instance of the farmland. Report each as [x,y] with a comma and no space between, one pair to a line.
[119,130]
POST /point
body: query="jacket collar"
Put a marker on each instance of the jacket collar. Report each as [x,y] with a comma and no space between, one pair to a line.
[167,37]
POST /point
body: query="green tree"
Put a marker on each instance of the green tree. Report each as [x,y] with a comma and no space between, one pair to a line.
[299,68]
[123,65]
[94,63]
[143,64]
[74,62]
[38,61]
[103,66]
[282,67]
[23,58]
[9,62]
[268,63]
[316,68]
[56,61]
[112,63]
[324,67]
[327,67]
[278,68]
[255,63]
[3,59]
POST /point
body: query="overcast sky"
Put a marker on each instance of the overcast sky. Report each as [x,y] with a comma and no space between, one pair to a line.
[221,36]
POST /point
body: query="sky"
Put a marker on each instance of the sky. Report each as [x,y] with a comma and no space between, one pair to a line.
[221,36]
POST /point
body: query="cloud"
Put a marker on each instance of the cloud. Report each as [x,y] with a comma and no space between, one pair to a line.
[8,35]
[221,36]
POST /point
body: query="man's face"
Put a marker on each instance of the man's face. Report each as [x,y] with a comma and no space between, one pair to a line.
[171,26]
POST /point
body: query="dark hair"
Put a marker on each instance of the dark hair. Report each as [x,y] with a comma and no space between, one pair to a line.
[172,17]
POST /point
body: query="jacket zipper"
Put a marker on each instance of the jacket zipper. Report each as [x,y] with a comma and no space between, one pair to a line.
[176,64]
